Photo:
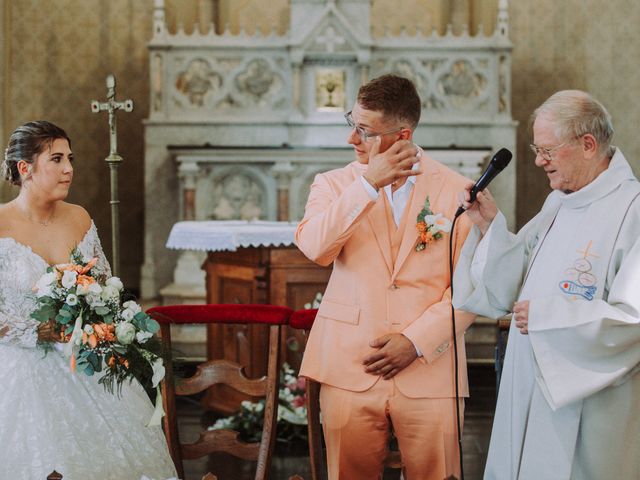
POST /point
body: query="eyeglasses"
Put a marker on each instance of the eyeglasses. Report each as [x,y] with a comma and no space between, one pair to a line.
[546,152]
[364,135]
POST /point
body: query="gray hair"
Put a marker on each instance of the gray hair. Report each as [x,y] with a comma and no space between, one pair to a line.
[577,113]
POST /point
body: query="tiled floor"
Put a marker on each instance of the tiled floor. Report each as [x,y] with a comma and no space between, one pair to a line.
[477,429]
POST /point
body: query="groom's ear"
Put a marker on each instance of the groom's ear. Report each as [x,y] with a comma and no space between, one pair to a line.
[406,134]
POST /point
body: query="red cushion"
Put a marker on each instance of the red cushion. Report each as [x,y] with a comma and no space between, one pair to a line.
[221,313]
[303,319]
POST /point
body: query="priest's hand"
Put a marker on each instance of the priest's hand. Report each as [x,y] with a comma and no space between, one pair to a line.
[392,165]
[521,316]
[482,211]
[395,352]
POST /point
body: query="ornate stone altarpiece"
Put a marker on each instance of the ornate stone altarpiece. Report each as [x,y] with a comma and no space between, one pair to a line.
[240,124]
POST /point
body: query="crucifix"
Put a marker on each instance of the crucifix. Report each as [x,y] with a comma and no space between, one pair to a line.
[114,160]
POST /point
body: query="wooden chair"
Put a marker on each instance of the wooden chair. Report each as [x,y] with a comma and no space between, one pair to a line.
[223,372]
[303,319]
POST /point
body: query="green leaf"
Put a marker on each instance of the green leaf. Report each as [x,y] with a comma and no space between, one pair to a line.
[94,361]
[152,326]
[102,311]
[64,313]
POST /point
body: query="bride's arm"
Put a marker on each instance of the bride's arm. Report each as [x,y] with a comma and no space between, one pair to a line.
[20,333]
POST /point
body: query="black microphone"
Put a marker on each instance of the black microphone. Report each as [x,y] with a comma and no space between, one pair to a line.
[500,160]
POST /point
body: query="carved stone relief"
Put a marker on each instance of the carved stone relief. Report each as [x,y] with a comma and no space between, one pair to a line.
[197,81]
[462,84]
[237,196]
[258,82]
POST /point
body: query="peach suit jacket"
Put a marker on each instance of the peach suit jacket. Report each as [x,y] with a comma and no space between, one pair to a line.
[369,295]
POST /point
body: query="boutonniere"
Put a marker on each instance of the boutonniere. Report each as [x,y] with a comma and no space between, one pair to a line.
[430,226]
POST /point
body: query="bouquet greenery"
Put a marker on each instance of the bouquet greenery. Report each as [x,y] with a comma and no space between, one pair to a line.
[102,332]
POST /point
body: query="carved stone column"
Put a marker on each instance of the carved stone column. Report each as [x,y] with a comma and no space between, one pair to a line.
[188,174]
[188,276]
[283,172]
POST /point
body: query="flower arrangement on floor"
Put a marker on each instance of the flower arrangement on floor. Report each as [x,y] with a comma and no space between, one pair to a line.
[101,332]
[292,413]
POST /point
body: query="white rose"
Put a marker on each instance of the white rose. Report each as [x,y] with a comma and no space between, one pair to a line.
[44,286]
[88,329]
[82,290]
[125,332]
[94,301]
[133,306]
[127,315]
[72,300]
[109,292]
[69,278]
[142,337]
[158,372]
[46,280]
[95,289]
[44,292]
[438,222]
[115,282]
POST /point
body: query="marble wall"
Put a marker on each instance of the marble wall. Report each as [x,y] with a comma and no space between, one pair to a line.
[57,53]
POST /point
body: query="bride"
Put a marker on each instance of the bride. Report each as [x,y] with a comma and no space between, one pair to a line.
[50,418]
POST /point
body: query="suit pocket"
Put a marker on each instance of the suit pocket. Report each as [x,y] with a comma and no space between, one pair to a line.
[339,312]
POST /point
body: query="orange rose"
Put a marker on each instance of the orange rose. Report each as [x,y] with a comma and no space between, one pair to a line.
[426,237]
[85,280]
[88,266]
[421,226]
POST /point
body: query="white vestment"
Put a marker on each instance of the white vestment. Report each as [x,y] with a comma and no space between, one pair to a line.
[569,399]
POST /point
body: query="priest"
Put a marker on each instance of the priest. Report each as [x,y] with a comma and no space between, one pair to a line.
[569,399]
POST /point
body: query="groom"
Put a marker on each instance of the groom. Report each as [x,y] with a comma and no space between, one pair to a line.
[381,343]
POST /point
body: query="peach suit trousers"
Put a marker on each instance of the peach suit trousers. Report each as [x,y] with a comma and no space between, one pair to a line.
[357,428]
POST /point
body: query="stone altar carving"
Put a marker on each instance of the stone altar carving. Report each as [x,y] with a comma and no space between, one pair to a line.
[240,124]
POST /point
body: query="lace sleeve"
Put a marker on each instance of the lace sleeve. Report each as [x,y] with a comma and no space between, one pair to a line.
[103,269]
[92,247]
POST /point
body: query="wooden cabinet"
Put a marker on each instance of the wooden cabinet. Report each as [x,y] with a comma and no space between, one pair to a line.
[270,275]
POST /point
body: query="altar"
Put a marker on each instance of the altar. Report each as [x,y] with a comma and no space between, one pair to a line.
[251,262]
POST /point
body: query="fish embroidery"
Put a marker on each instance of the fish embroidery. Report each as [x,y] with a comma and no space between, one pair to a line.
[573,288]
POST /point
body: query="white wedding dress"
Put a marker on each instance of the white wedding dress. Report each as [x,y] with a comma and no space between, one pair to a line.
[53,419]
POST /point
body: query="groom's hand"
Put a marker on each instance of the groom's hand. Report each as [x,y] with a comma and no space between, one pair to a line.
[394,353]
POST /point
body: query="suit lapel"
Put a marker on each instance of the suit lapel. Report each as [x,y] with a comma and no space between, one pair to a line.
[426,184]
[377,218]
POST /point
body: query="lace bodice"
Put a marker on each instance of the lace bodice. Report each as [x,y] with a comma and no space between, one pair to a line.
[20,269]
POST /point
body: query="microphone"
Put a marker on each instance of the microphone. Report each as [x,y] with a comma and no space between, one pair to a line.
[500,160]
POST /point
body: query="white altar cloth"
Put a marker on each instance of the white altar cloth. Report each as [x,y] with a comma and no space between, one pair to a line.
[216,236]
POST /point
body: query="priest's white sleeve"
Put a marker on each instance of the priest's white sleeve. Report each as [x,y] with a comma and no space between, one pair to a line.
[582,347]
[501,257]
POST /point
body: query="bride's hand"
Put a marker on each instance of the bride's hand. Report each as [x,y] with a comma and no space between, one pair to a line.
[47,332]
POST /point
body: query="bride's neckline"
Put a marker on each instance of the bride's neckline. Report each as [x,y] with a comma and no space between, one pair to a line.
[29,249]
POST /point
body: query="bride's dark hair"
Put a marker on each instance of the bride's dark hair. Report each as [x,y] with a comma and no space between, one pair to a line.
[26,143]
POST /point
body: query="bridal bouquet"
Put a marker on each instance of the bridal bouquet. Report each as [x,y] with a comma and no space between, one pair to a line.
[102,333]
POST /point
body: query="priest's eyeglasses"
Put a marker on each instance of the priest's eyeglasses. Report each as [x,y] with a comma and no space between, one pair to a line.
[365,136]
[546,152]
